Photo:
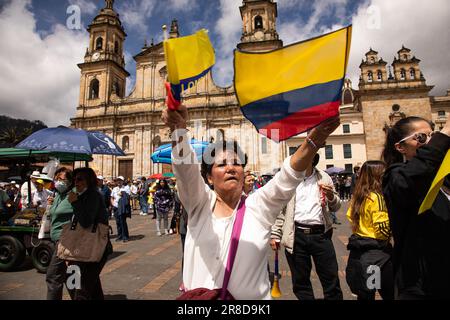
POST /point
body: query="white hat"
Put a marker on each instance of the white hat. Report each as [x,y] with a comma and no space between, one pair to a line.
[99,177]
[45,177]
[121,178]
[36,174]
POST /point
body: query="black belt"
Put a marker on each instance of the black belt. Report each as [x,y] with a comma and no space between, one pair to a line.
[310,228]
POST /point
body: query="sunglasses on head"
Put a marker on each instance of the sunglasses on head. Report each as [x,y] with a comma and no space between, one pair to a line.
[420,137]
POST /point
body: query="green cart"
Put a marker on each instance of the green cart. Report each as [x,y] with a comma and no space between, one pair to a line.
[18,241]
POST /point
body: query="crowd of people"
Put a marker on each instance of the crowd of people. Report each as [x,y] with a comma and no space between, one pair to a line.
[294,210]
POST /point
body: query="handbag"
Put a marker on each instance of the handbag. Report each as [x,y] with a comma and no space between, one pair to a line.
[223,293]
[83,244]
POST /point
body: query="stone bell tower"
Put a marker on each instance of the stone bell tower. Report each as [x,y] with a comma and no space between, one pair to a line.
[259,26]
[103,73]
[386,97]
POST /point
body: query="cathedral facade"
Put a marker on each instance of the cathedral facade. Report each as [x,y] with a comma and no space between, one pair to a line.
[134,121]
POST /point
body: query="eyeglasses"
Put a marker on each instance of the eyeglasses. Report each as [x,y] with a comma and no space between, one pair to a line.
[420,137]
[80,179]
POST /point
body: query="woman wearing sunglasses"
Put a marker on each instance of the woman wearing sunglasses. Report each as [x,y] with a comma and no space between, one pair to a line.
[421,256]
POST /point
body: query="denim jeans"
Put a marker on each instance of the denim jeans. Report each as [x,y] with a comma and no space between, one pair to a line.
[143,203]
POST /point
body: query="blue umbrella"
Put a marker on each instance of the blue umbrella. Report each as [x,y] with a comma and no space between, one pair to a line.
[163,153]
[334,170]
[63,139]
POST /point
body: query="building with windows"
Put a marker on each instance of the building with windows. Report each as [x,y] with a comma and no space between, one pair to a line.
[134,121]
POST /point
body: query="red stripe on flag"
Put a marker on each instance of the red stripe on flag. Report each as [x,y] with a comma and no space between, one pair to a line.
[301,121]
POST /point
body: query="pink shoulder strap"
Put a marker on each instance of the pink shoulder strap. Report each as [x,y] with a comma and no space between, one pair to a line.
[235,235]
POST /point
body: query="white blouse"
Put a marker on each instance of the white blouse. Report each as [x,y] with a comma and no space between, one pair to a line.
[208,237]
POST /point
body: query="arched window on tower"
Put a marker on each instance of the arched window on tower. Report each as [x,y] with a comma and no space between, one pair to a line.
[94,89]
[370,76]
[99,43]
[412,74]
[379,75]
[116,88]
[258,22]
[347,97]
[116,47]
[220,135]
[402,74]
[125,143]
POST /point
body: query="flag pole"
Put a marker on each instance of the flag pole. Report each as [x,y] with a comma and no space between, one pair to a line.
[164,28]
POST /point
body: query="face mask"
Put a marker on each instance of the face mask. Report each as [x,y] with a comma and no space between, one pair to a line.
[61,186]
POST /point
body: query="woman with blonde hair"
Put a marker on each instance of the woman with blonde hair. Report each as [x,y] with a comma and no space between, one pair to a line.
[370,249]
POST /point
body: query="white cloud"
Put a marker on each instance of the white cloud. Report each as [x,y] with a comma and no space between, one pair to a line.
[40,78]
[86,6]
[421,26]
[135,14]
[228,28]
[293,31]
[182,5]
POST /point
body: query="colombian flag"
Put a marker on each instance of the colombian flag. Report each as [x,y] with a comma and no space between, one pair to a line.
[295,88]
[188,59]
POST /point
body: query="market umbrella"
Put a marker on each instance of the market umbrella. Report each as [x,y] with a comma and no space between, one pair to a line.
[168,175]
[69,140]
[156,176]
[163,153]
[334,170]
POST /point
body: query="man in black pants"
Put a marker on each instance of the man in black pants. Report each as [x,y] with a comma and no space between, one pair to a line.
[305,230]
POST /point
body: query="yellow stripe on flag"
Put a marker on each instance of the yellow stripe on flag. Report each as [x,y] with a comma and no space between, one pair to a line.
[443,171]
[188,57]
[319,60]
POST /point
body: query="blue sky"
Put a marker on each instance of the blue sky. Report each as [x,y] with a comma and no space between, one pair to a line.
[38,56]
[191,16]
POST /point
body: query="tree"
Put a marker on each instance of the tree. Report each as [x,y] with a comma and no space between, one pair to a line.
[15,130]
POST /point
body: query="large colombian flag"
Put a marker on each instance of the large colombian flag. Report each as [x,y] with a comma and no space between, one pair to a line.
[188,59]
[295,88]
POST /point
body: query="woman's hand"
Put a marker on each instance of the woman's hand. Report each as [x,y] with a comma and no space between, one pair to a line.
[304,155]
[320,133]
[175,119]
[72,197]
[50,201]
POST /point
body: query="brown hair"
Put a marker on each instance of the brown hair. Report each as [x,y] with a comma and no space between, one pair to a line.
[88,174]
[370,178]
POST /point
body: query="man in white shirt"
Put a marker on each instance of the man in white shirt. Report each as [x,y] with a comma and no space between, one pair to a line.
[24,189]
[305,230]
[120,201]
[40,196]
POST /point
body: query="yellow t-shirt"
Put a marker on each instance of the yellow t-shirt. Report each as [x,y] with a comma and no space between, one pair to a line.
[374,219]
[151,192]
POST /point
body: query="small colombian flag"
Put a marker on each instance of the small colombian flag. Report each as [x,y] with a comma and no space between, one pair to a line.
[443,171]
[295,88]
[188,59]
